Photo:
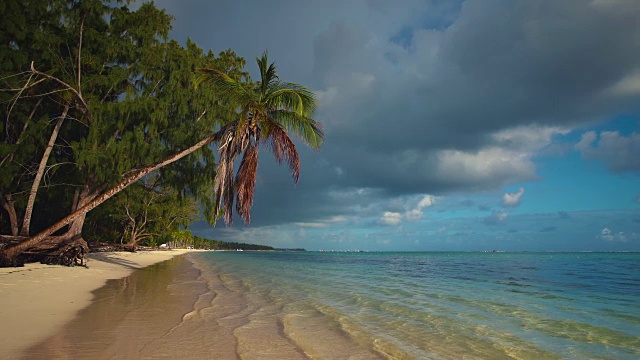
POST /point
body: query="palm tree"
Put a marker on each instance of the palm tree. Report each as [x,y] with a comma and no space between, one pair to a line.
[268,110]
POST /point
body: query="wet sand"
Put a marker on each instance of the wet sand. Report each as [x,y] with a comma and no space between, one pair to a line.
[129,318]
[184,309]
[170,311]
[266,306]
[37,300]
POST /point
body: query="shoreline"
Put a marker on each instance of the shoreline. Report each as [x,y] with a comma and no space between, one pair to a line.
[37,300]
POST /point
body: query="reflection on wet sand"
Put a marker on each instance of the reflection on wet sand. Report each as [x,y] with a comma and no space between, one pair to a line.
[128,316]
[183,308]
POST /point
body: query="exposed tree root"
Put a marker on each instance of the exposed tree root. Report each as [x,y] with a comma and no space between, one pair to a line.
[55,250]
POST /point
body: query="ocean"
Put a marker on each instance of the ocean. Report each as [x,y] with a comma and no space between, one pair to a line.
[404,305]
[445,305]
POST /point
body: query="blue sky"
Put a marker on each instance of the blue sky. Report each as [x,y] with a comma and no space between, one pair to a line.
[474,125]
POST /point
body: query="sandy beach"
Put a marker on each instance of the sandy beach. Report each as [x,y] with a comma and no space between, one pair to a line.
[282,306]
[37,300]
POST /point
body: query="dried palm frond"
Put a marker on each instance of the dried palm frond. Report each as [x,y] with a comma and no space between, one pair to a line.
[269,109]
[246,182]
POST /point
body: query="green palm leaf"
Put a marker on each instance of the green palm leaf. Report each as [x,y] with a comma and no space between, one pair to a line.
[307,129]
[235,90]
[268,110]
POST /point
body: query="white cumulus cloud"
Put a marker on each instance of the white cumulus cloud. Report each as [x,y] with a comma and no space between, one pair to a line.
[628,86]
[484,166]
[512,199]
[607,235]
[417,213]
[413,215]
[427,201]
[414,211]
[390,219]
[496,217]
[323,223]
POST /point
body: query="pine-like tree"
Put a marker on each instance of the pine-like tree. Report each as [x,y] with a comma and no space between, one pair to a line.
[107,98]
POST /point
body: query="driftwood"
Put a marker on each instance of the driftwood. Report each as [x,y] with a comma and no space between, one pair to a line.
[55,250]
[10,239]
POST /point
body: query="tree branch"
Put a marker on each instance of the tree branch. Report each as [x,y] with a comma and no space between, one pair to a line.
[26,222]
[71,88]
[79,54]
[17,96]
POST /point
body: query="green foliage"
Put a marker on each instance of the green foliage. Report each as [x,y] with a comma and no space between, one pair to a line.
[184,239]
[221,245]
[133,102]
[144,213]
[269,110]
[131,95]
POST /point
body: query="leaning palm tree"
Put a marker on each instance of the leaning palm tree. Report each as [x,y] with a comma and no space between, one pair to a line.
[268,110]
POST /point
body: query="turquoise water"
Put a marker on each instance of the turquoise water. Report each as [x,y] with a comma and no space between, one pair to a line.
[432,305]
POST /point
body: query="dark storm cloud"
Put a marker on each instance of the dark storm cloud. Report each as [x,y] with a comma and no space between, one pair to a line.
[500,65]
[618,152]
[426,97]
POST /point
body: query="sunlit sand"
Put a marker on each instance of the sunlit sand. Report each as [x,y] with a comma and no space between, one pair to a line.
[37,300]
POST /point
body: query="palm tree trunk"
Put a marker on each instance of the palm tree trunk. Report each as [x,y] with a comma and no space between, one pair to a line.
[9,253]
[26,222]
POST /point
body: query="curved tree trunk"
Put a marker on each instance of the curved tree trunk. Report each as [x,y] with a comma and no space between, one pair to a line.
[67,249]
[26,222]
[82,198]
[9,206]
[7,200]
[10,253]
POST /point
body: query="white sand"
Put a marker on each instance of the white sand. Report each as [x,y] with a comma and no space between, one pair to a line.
[36,300]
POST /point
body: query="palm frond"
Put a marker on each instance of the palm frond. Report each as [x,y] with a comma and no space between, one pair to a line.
[263,62]
[292,97]
[307,129]
[223,181]
[223,188]
[239,137]
[268,73]
[246,182]
[220,134]
[272,74]
[284,149]
[268,110]
[235,90]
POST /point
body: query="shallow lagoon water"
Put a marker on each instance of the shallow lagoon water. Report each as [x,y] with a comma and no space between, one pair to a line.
[484,305]
[297,305]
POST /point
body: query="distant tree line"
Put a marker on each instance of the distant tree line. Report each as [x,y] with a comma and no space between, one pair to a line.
[184,239]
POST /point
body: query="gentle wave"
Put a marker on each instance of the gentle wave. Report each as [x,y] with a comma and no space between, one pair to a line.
[433,305]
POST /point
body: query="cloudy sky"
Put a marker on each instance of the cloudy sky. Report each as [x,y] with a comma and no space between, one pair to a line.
[450,125]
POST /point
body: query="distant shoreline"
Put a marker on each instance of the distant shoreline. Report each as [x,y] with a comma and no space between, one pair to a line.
[36,300]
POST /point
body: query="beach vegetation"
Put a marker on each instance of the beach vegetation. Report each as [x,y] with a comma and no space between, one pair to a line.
[145,213]
[98,100]
[185,239]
